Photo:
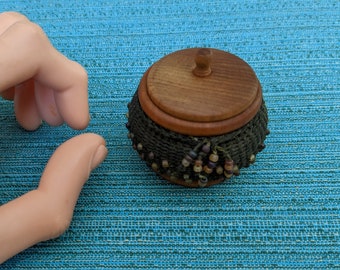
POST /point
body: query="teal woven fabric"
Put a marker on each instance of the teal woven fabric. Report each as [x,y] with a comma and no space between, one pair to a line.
[282,212]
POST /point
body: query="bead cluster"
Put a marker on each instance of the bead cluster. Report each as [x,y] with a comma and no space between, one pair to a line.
[201,161]
[207,163]
[202,164]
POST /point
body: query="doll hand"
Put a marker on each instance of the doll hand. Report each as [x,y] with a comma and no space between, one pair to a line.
[43,83]
[47,212]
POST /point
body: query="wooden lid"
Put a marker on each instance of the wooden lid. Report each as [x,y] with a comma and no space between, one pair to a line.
[200,92]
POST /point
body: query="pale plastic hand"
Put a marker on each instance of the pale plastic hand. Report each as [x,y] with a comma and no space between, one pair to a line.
[44,84]
[46,212]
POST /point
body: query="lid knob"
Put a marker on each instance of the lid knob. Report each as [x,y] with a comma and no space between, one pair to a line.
[203,61]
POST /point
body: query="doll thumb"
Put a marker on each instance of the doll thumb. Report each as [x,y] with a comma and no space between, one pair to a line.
[74,159]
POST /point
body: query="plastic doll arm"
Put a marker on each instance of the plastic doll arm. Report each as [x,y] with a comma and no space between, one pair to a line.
[46,212]
[44,84]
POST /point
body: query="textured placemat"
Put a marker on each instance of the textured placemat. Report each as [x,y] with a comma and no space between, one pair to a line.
[282,212]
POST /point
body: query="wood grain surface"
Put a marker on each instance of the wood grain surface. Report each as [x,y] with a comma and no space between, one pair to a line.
[200,92]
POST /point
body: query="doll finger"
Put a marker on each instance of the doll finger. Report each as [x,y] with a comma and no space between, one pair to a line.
[9,18]
[8,94]
[46,105]
[25,107]
[69,81]
[22,46]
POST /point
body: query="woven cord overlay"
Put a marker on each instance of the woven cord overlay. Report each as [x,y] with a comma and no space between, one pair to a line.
[212,158]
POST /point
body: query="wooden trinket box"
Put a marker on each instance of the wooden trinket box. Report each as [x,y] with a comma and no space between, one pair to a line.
[198,117]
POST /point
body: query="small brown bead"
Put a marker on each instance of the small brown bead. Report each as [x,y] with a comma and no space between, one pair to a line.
[154,166]
[236,170]
[252,158]
[228,165]
[165,163]
[197,168]
[213,157]
[202,182]
[261,146]
[185,162]
[228,175]
[219,169]
[139,147]
[208,170]
[198,162]
[206,148]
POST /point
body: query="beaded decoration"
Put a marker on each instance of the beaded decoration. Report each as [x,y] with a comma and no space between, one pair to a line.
[195,161]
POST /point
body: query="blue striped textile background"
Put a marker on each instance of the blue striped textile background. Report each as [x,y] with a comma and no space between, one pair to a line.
[282,212]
